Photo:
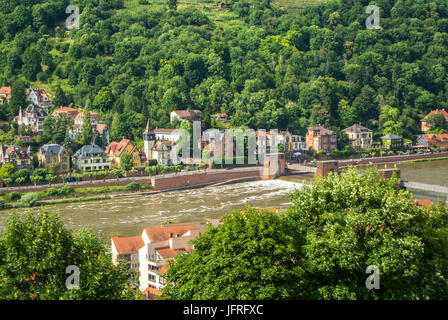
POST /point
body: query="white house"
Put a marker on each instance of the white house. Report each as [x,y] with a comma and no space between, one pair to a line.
[181,115]
[160,245]
[40,98]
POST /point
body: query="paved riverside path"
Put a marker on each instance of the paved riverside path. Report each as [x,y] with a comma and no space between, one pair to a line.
[424,187]
[121,181]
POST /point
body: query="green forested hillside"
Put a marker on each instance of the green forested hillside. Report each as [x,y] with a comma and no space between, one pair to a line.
[268,65]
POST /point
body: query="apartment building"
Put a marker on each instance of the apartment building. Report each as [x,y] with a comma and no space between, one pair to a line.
[359,136]
[319,138]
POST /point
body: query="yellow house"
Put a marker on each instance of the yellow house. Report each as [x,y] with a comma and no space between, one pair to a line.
[54,153]
[116,149]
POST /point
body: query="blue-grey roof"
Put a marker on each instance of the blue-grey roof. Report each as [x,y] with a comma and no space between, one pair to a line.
[51,149]
[391,137]
[90,151]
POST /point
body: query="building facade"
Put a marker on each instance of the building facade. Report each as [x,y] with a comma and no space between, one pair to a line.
[40,98]
[116,149]
[5,94]
[33,116]
[319,138]
[90,157]
[181,115]
[359,137]
[392,141]
[54,153]
[424,125]
[21,158]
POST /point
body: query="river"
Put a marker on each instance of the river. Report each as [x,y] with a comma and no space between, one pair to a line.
[128,216]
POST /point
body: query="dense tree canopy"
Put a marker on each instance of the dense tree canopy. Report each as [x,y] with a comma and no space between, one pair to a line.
[35,251]
[321,247]
[271,68]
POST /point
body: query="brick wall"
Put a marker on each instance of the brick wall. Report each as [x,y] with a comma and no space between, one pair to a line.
[200,178]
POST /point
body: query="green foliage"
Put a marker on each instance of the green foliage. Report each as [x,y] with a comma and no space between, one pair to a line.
[36,251]
[321,246]
[134,186]
[247,257]
[126,161]
[7,170]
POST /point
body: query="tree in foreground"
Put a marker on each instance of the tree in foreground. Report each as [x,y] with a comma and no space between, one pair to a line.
[247,257]
[35,251]
[321,247]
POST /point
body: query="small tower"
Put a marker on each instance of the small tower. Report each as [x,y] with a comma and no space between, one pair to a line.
[149,139]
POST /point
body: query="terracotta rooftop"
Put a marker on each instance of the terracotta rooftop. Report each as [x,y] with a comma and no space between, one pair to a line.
[442,112]
[423,202]
[6,91]
[127,245]
[166,253]
[157,234]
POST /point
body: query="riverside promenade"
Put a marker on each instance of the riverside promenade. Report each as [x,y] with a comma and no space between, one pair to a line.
[159,182]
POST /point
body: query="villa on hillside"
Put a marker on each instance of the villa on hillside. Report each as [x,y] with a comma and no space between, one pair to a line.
[21,158]
[319,138]
[437,140]
[5,94]
[151,136]
[54,153]
[161,152]
[65,111]
[99,130]
[392,141]
[40,98]
[33,116]
[90,157]
[424,125]
[181,115]
[359,136]
[221,117]
[116,149]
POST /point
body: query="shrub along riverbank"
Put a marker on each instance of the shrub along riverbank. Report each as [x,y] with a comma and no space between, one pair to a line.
[429,159]
[65,194]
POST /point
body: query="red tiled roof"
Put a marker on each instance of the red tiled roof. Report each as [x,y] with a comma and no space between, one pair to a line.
[127,245]
[121,146]
[70,112]
[442,112]
[6,91]
[152,292]
[157,234]
[423,202]
[111,147]
[166,253]
[440,136]
[100,127]
[95,116]
[187,114]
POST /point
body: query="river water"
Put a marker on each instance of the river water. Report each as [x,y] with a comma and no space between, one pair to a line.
[128,216]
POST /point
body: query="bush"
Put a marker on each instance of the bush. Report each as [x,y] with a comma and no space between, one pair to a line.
[13,196]
[66,190]
[51,192]
[133,186]
[29,199]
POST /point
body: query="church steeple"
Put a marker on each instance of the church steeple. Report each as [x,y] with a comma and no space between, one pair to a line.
[148,135]
[148,126]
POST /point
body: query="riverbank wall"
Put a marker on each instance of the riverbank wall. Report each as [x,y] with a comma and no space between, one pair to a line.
[179,180]
[325,167]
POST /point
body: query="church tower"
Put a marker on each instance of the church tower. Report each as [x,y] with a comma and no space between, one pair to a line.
[149,138]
